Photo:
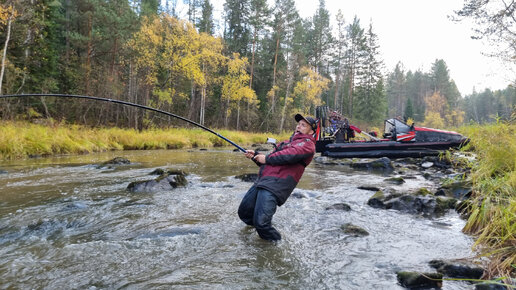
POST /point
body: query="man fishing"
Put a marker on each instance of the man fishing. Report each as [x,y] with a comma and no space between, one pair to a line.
[280,171]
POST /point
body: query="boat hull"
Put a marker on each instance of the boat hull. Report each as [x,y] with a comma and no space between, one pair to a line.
[391,149]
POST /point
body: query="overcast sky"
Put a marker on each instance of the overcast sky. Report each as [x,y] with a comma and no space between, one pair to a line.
[416,33]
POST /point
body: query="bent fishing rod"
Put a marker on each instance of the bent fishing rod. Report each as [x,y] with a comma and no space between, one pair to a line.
[126,104]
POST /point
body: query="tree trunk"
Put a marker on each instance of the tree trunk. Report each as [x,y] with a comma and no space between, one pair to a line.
[203,104]
[238,116]
[335,96]
[191,108]
[350,94]
[88,55]
[226,118]
[4,55]
[252,59]
[290,79]
[67,31]
[203,96]
[47,114]
[273,101]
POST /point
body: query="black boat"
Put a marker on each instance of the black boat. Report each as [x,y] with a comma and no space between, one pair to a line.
[337,138]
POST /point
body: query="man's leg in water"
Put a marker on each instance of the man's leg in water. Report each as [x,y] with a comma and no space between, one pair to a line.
[265,208]
[246,208]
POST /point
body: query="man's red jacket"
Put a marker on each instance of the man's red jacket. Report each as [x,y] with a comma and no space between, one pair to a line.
[285,165]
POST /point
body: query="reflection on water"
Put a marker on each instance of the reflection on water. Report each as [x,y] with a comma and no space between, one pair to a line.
[66,224]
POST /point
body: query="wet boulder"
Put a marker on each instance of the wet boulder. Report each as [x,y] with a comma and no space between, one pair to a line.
[248,177]
[412,204]
[420,280]
[165,181]
[340,206]
[383,164]
[420,202]
[114,162]
[459,270]
[301,193]
[426,205]
[459,190]
[354,230]
[369,188]
[325,160]
[438,162]
[159,171]
[493,286]
[377,200]
[427,164]
[395,180]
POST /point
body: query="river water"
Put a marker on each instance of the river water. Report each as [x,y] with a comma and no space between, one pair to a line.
[66,224]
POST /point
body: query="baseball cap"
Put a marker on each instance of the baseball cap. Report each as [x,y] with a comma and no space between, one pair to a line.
[309,120]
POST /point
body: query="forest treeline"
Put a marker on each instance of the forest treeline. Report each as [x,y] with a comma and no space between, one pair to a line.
[253,73]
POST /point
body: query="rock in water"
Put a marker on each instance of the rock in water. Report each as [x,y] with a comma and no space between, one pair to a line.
[249,177]
[383,164]
[113,162]
[165,181]
[340,206]
[457,269]
[353,230]
[420,280]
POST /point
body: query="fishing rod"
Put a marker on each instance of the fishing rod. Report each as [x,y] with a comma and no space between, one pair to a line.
[126,104]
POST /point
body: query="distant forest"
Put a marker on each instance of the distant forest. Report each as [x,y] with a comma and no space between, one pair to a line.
[254,73]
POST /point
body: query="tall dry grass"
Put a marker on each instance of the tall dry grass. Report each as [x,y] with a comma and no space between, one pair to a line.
[493,208]
[23,139]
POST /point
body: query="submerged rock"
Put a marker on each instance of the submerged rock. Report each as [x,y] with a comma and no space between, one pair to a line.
[460,190]
[113,162]
[170,233]
[3,171]
[492,286]
[165,181]
[457,269]
[325,160]
[301,193]
[340,206]
[418,203]
[420,280]
[395,180]
[159,171]
[248,177]
[377,200]
[383,164]
[353,230]
[370,188]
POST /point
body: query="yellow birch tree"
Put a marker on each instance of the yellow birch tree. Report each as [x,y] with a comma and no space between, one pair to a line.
[236,87]
[309,89]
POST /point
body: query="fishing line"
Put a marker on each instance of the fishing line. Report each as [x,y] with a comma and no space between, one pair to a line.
[127,104]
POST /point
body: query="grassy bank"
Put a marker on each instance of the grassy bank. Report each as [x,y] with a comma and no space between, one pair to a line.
[23,139]
[493,208]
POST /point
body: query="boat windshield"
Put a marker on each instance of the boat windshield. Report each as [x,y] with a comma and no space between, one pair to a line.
[389,126]
[393,126]
[401,127]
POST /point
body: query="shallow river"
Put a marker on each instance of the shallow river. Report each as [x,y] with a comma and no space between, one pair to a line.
[65,224]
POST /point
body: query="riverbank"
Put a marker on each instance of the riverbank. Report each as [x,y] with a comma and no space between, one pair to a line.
[24,139]
[492,211]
